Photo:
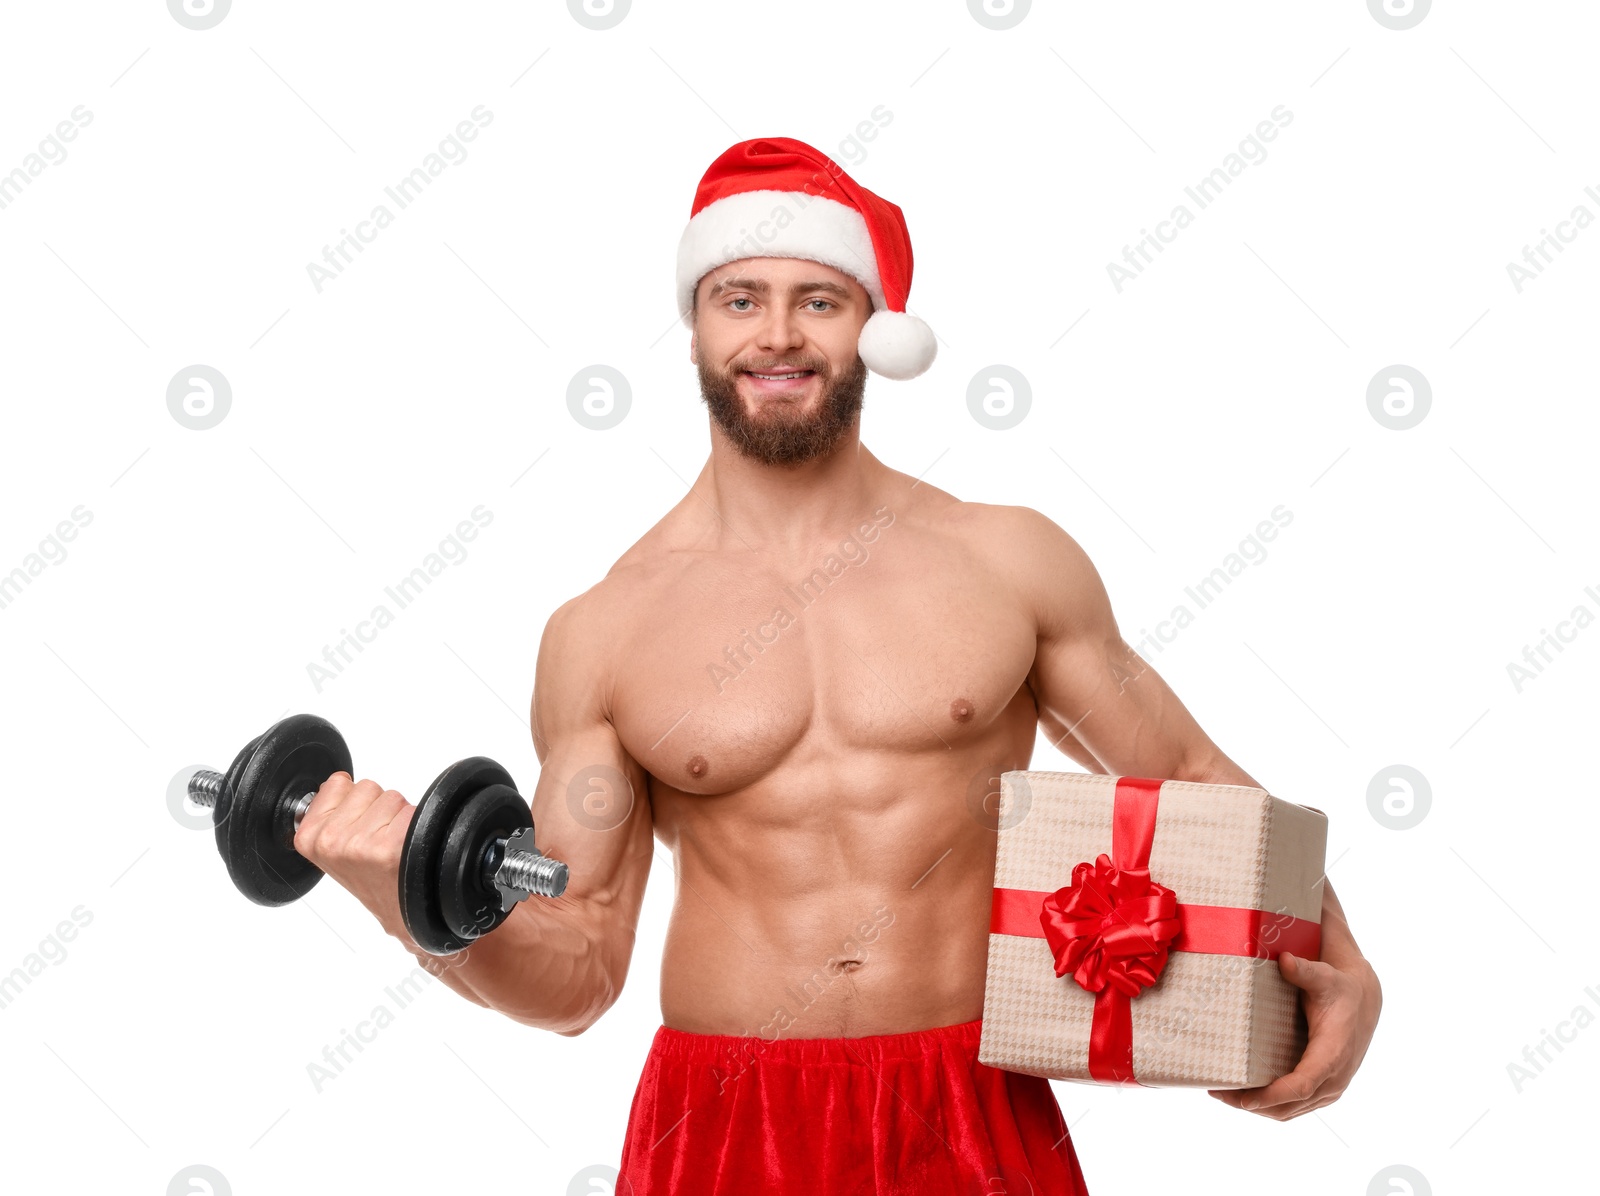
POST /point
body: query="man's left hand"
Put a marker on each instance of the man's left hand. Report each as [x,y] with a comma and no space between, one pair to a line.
[1341,1007]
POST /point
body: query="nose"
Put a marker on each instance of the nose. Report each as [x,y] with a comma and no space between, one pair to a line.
[779,331]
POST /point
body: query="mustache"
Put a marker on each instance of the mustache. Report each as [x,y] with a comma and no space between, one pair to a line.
[815,364]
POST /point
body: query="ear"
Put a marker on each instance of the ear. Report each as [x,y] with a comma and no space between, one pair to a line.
[694,348]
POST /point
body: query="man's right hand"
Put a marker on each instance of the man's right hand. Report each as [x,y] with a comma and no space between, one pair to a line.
[354,831]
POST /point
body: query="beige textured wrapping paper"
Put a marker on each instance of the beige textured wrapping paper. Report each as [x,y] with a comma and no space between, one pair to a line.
[1209,1021]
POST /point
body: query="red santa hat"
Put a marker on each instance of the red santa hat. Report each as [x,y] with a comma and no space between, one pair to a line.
[778,197]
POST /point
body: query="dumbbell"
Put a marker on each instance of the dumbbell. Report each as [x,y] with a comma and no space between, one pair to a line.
[468,857]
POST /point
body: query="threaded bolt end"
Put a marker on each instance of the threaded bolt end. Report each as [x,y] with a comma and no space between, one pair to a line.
[205,788]
[536,875]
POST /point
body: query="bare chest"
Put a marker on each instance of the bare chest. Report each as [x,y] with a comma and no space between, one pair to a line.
[738,670]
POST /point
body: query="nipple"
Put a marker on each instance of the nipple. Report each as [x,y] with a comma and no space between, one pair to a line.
[961,710]
[698,766]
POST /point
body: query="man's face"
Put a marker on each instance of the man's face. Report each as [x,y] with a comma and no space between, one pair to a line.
[775,345]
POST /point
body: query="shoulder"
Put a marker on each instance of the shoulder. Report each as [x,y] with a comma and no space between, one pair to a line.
[1003,527]
[1019,539]
[1029,553]
[1014,543]
[586,638]
[604,614]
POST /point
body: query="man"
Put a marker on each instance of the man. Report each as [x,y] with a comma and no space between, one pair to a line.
[806,680]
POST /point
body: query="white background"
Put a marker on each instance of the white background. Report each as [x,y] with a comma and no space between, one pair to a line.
[368,419]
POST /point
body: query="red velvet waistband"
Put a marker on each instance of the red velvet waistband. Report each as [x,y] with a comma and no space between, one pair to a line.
[911,1044]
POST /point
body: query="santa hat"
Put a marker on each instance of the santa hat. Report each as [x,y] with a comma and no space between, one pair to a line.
[778,197]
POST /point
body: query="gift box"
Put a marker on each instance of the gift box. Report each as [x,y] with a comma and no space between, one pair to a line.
[1135,927]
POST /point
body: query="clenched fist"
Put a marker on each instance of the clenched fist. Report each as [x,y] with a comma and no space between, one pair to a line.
[354,831]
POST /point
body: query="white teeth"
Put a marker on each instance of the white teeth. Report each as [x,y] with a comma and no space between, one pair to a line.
[777,377]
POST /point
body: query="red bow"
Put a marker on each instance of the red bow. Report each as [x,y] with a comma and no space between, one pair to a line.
[1111,927]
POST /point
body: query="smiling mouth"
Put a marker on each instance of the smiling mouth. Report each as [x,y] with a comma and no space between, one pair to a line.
[778,383]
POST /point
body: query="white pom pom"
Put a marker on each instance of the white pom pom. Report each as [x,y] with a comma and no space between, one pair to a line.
[897,345]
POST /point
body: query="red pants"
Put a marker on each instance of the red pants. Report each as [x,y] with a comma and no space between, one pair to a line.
[886,1114]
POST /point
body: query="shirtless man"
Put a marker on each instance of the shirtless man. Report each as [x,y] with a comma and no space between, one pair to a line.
[806,680]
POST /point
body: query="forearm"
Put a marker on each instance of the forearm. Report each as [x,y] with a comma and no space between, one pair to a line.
[542,967]
[1338,944]
[442,967]
[1218,770]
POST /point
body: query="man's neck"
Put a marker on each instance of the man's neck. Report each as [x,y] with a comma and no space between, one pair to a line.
[782,508]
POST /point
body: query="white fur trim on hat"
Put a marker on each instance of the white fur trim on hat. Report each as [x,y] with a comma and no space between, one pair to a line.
[896,345]
[776,224]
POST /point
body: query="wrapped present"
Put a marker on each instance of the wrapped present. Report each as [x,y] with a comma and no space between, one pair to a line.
[1135,927]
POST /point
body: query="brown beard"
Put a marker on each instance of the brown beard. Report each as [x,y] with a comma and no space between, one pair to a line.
[781,435]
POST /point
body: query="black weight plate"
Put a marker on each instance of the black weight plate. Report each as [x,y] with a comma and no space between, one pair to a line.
[467,898]
[219,812]
[436,813]
[293,757]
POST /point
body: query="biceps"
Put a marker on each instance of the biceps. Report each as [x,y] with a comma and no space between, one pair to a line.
[1115,706]
[592,810]
[1074,677]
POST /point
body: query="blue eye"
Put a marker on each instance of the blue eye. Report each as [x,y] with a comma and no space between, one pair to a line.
[731,302]
[824,302]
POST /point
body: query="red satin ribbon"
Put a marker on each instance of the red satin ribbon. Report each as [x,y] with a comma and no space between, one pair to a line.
[1206,929]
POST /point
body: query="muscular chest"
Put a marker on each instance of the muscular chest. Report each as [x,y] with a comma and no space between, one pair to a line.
[740,669]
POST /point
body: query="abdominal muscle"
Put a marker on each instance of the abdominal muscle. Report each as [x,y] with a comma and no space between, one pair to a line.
[839,918]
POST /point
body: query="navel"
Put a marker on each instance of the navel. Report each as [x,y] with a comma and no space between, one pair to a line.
[961,710]
[697,766]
